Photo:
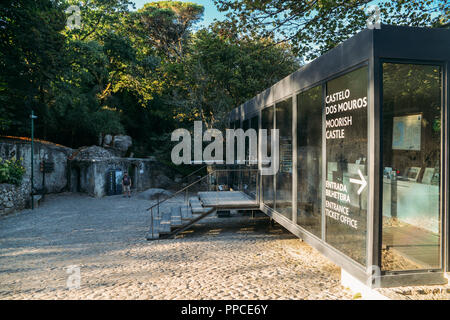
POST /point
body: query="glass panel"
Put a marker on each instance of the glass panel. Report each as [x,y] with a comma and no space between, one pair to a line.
[245,127]
[346,193]
[235,181]
[284,175]
[245,174]
[255,126]
[267,181]
[254,174]
[309,163]
[411,166]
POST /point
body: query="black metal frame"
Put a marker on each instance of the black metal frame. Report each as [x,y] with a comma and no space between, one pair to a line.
[371,48]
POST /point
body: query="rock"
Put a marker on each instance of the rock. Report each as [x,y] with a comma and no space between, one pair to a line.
[37,199]
[163,181]
[107,140]
[122,143]
[406,292]
[154,193]
[422,291]
[12,197]
[7,211]
[93,152]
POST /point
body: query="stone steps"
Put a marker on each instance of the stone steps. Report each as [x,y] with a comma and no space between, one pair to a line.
[186,213]
[177,217]
[197,206]
[164,226]
[154,232]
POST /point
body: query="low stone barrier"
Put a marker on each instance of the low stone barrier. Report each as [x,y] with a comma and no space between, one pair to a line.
[13,198]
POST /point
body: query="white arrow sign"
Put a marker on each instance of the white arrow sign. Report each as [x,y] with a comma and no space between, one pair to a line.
[362,182]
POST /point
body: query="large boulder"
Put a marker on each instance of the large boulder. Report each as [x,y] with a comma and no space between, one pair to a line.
[122,143]
[163,181]
[13,198]
[154,194]
[107,140]
[92,152]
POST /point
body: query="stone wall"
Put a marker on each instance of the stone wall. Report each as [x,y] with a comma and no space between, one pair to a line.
[56,181]
[90,176]
[84,170]
[13,197]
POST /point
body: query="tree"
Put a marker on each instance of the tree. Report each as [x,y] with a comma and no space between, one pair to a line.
[30,59]
[224,71]
[60,77]
[315,26]
[133,72]
[166,25]
[78,112]
[98,17]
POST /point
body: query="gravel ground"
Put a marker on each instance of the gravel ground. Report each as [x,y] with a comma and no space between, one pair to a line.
[221,258]
[440,292]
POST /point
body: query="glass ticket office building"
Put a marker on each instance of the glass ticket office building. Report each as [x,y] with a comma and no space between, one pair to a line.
[363,172]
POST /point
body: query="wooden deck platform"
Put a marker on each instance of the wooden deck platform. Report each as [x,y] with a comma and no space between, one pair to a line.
[227,200]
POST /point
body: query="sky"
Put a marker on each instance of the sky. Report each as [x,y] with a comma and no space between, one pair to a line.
[210,14]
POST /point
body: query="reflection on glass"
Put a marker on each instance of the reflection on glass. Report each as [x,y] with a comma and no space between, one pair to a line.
[283,120]
[309,163]
[245,174]
[411,166]
[236,174]
[245,127]
[253,179]
[346,178]
[268,192]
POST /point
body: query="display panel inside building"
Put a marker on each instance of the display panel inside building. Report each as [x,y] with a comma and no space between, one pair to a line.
[346,191]
[411,179]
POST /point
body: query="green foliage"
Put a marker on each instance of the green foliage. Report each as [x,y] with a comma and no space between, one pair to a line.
[225,70]
[30,57]
[146,72]
[67,77]
[166,25]
[98,17]
[11,171]
[314,27]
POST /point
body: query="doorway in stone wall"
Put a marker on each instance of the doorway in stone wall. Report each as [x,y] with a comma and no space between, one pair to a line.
[133,174]
[75,179]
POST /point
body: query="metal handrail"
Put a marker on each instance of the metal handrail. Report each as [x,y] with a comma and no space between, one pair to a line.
[190,174]
[179,191]
[170,197]
[195,182]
